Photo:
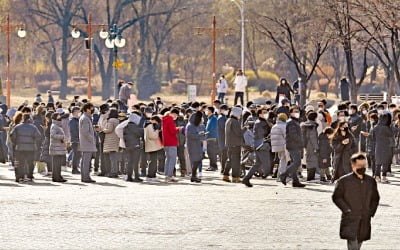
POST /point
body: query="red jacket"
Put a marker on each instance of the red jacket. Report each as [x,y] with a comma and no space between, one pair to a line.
[169,132]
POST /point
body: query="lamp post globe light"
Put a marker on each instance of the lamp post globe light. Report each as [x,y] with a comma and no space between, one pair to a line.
[114,40]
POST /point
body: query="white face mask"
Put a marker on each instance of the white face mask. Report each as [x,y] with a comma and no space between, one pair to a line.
[364,112]
[350,112]
[159,106]
[225,112]
[296,115]
[266,116]
[380,111]
[207,112]
[341,118]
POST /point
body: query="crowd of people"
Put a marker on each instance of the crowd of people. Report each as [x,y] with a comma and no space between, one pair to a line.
[277,138]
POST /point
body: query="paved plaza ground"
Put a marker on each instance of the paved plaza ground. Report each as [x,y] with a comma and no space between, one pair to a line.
[113,214]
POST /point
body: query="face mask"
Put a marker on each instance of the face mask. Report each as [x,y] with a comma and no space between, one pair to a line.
[296,115]
[268,106]
[226,112]
[320,109]
[159,106]
[350,112]
[380,111]
[266,116]
[364,112]
[341,118]
[361,171]
[148,115]
[207,112]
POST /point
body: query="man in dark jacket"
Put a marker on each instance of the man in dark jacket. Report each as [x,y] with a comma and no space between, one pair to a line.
[294,144]
[223,150]
[74,131]
[355,124]
[25,137]
[133,136]
[284,108]
[356,195]
[234,143]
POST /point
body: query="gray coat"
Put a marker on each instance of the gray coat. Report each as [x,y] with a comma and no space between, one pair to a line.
[57,137]
[194,141]
[87,138]
[278,136]
[234,132]
[311,137]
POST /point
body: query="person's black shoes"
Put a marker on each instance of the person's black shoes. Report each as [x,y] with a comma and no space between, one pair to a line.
[89,181]
[282,177]
[298,184]
[195,179]
[247,182]
[211,169]
[62,180]
[137,180]
[76,171]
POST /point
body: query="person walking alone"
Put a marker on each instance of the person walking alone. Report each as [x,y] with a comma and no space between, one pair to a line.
[240,84]
[356,195]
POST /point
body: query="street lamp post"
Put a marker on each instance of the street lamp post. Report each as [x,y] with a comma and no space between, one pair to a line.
[115,41]
[7,28]
[241,6]
[90,28]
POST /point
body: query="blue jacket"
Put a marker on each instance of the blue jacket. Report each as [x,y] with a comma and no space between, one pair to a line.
[211,127]
[74,129]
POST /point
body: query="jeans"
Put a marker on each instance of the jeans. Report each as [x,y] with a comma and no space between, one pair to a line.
[237,96]
[76,155]
[152,164]
[353,245]
[295,156]
[212,152]
[282,162]
[24,164]
[221,97]
[233,162]
[85,165]
[170,160]
[113,157]
[133,162]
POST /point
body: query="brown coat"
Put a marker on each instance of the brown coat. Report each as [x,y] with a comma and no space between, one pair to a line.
[152,140]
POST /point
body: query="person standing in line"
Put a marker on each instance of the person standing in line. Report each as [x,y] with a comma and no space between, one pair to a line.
[278,141]
[57,148]
[152,146]
[194,138]
[240,84]
[74,131]
[233,140]
[133,136]
[24,137]
[170,141]
[222,87]
[87,141]
[310,137]
[325,154]
[356,195]
[125,94]
[111,143]
[212,134]
[223,150]
[294,144]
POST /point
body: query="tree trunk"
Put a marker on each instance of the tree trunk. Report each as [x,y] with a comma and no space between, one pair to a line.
[64,64]
[303,90]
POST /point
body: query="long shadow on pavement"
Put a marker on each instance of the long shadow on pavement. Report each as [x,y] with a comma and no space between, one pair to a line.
[9,185]
[107,184]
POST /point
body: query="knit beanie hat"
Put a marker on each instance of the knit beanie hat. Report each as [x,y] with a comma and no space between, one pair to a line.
[236,112]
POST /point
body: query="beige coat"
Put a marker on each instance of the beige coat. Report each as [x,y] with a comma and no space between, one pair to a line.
[111,140]
[152,140]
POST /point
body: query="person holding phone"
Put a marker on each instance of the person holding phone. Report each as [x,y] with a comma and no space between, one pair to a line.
[344,147]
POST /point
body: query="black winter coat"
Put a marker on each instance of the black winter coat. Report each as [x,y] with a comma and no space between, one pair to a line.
[342,154]
[358,200]
[356,120]
[133,135]
[284,89]
[384,140]
[25,137]
[325,151]
[294,139]
[234,132]
[74,129]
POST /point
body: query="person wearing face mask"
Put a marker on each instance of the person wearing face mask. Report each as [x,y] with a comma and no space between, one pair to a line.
[87,141]
[384,143]
[322,108]
[363,108]
[343,147]
[283,89]
[294,144]
[310,139]
[370,142]
[357,196]
[152,146]
[355,124]
[341,117]
[284,108]
[223,150]
[57,148]
[262,143]
[144,157]
[212,134]
[74,131]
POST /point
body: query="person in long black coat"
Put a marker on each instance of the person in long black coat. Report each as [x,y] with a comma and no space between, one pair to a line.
[284,89]
[384,143]
[194,140]
[343,147]
[356,195]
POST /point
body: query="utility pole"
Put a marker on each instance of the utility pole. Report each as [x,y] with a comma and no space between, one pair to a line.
[89,28]
[213,31]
